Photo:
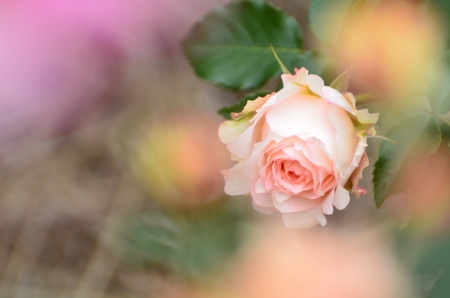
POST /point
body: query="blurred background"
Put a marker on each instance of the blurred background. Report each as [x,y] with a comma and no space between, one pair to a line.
[110,161]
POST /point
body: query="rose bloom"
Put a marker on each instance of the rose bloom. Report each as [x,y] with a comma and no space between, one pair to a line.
[299,151]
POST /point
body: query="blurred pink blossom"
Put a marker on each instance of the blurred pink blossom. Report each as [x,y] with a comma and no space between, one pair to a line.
[59,58]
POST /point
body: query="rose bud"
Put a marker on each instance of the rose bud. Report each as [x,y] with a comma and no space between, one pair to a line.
[299,151]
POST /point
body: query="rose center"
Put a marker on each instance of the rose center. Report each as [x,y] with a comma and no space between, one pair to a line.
[294,172]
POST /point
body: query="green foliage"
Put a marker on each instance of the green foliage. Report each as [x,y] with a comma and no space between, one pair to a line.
[239,106]
[326,19]
[194,245]
[439,85]
[442,8]
[341,82]
[231,45]
[416,137]
[434,264]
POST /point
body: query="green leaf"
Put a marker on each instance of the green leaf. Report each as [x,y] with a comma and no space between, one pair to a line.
[230,46]
[326,19]
[417,137]
[239,106]
[439,85]
[426,282]
[441,9]
[194,245]
[433,261]
[341,82]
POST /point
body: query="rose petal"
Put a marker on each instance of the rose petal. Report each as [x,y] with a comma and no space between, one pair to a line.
[341,197]
[279,196]
[266,210]
[295,204]
[303,115]
[315,84]
[254,105]
[346,138]
[251,166]
[236,183]
[262,199]
[335,97]
[327,204]
[305,219]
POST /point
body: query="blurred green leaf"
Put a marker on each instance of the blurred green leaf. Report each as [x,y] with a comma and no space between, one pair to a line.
[194,245]
[439,85]
[341,82]
[442,8]
[417,137]
[239,106]
[426,282]
[326,19]
[230,46]
[433,262]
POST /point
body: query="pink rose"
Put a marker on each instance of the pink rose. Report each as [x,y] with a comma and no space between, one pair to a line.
[299,150]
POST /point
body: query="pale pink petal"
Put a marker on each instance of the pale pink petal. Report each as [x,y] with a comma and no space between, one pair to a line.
[315,84]
[301,76]
[305,219]
[335,97]
[295,204]
[360,150]
[317,155]
[260,186]
[268,134]
[236,183]
[270,102]
[312,194]
[327,204]
[251,166]
[346,138]
[306,163]
[351,98]
[280,197]
[262,199]
[265,210]
[341,197]
[305,115]
[290,87]
[254,105]
[328,183]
